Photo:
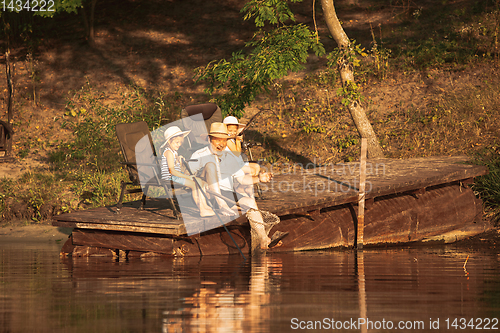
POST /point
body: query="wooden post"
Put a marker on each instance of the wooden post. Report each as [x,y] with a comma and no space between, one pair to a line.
[361,196]
[7,130]
[10,86]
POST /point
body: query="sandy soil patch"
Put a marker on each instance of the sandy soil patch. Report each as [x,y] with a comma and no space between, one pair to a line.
[34,233]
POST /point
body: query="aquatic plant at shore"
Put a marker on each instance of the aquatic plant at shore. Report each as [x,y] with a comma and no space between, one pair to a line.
[488,188]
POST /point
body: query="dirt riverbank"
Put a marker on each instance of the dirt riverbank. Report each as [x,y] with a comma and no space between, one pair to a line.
[34,233]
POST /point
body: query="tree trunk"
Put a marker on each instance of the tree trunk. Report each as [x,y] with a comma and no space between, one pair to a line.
[89,23]
[7,127]
[346,70]
[10,87]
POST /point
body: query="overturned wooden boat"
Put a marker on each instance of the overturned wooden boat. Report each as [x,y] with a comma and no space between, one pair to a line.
[413,200]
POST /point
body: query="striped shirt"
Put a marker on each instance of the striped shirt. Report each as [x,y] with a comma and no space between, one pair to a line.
[165,171]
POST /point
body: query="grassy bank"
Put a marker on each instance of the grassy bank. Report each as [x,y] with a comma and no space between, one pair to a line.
[426,94]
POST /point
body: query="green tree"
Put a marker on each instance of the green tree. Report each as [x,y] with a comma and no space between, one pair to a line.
[18,15]
[346,70]
[272,53]
[269,55]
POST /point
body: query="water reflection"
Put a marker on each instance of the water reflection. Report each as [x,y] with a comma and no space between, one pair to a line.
[328,290]
[217,307]
[360,267]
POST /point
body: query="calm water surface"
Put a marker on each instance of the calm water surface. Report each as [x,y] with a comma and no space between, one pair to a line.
[424,289]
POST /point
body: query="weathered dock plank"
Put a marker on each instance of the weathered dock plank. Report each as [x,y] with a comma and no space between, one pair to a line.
[338,184]
[155,219]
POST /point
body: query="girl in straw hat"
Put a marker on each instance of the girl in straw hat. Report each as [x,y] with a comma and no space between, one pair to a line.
[171,167]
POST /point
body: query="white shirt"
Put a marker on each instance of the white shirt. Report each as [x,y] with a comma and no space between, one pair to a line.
[238,158]
[227,165]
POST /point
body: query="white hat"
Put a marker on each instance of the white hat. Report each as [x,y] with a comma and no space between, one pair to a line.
[230,120]
[173,132]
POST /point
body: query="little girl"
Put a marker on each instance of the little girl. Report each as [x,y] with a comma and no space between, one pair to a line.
[234,129]
[171,168]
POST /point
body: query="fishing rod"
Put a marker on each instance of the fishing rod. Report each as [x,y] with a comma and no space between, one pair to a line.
[210,204]
[249,122]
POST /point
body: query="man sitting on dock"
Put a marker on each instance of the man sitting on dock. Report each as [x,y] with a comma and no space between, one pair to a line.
[220,168]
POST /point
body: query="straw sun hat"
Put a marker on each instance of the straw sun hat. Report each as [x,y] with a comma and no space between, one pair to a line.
[172,132]
[218,130]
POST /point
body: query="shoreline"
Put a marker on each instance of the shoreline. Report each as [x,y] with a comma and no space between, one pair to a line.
[34,233]
[46,233]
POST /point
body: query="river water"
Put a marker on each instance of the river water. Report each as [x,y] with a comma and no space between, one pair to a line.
[375,290]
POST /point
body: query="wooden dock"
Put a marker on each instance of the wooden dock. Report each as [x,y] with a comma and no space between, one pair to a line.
[406,201]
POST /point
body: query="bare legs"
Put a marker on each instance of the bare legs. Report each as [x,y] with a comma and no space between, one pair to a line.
[251,171]
[247,203]
[199,199]
[210,174]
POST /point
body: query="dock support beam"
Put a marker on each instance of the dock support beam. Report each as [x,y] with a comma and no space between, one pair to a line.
[361,195]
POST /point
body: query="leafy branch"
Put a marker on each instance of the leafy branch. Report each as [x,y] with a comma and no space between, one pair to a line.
[270,55]
[349,55]
[276,12]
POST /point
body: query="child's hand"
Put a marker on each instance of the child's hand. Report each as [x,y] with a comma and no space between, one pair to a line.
[265,177]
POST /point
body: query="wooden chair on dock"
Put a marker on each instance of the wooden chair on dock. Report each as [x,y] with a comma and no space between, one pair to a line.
[210,112]
[141,163]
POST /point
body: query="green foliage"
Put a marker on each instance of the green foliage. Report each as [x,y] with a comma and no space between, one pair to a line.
[27,25]
[273,55]
[346,142]
[49,10]
[347,55]
[381,61]
[69,6]
[93,124]
[6,186]
[349,92]
[380,57]
[269,56]
[85,170]
[32,196]
[488,187]
[431,53]
[96,187]
[273,11]
[35,199]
